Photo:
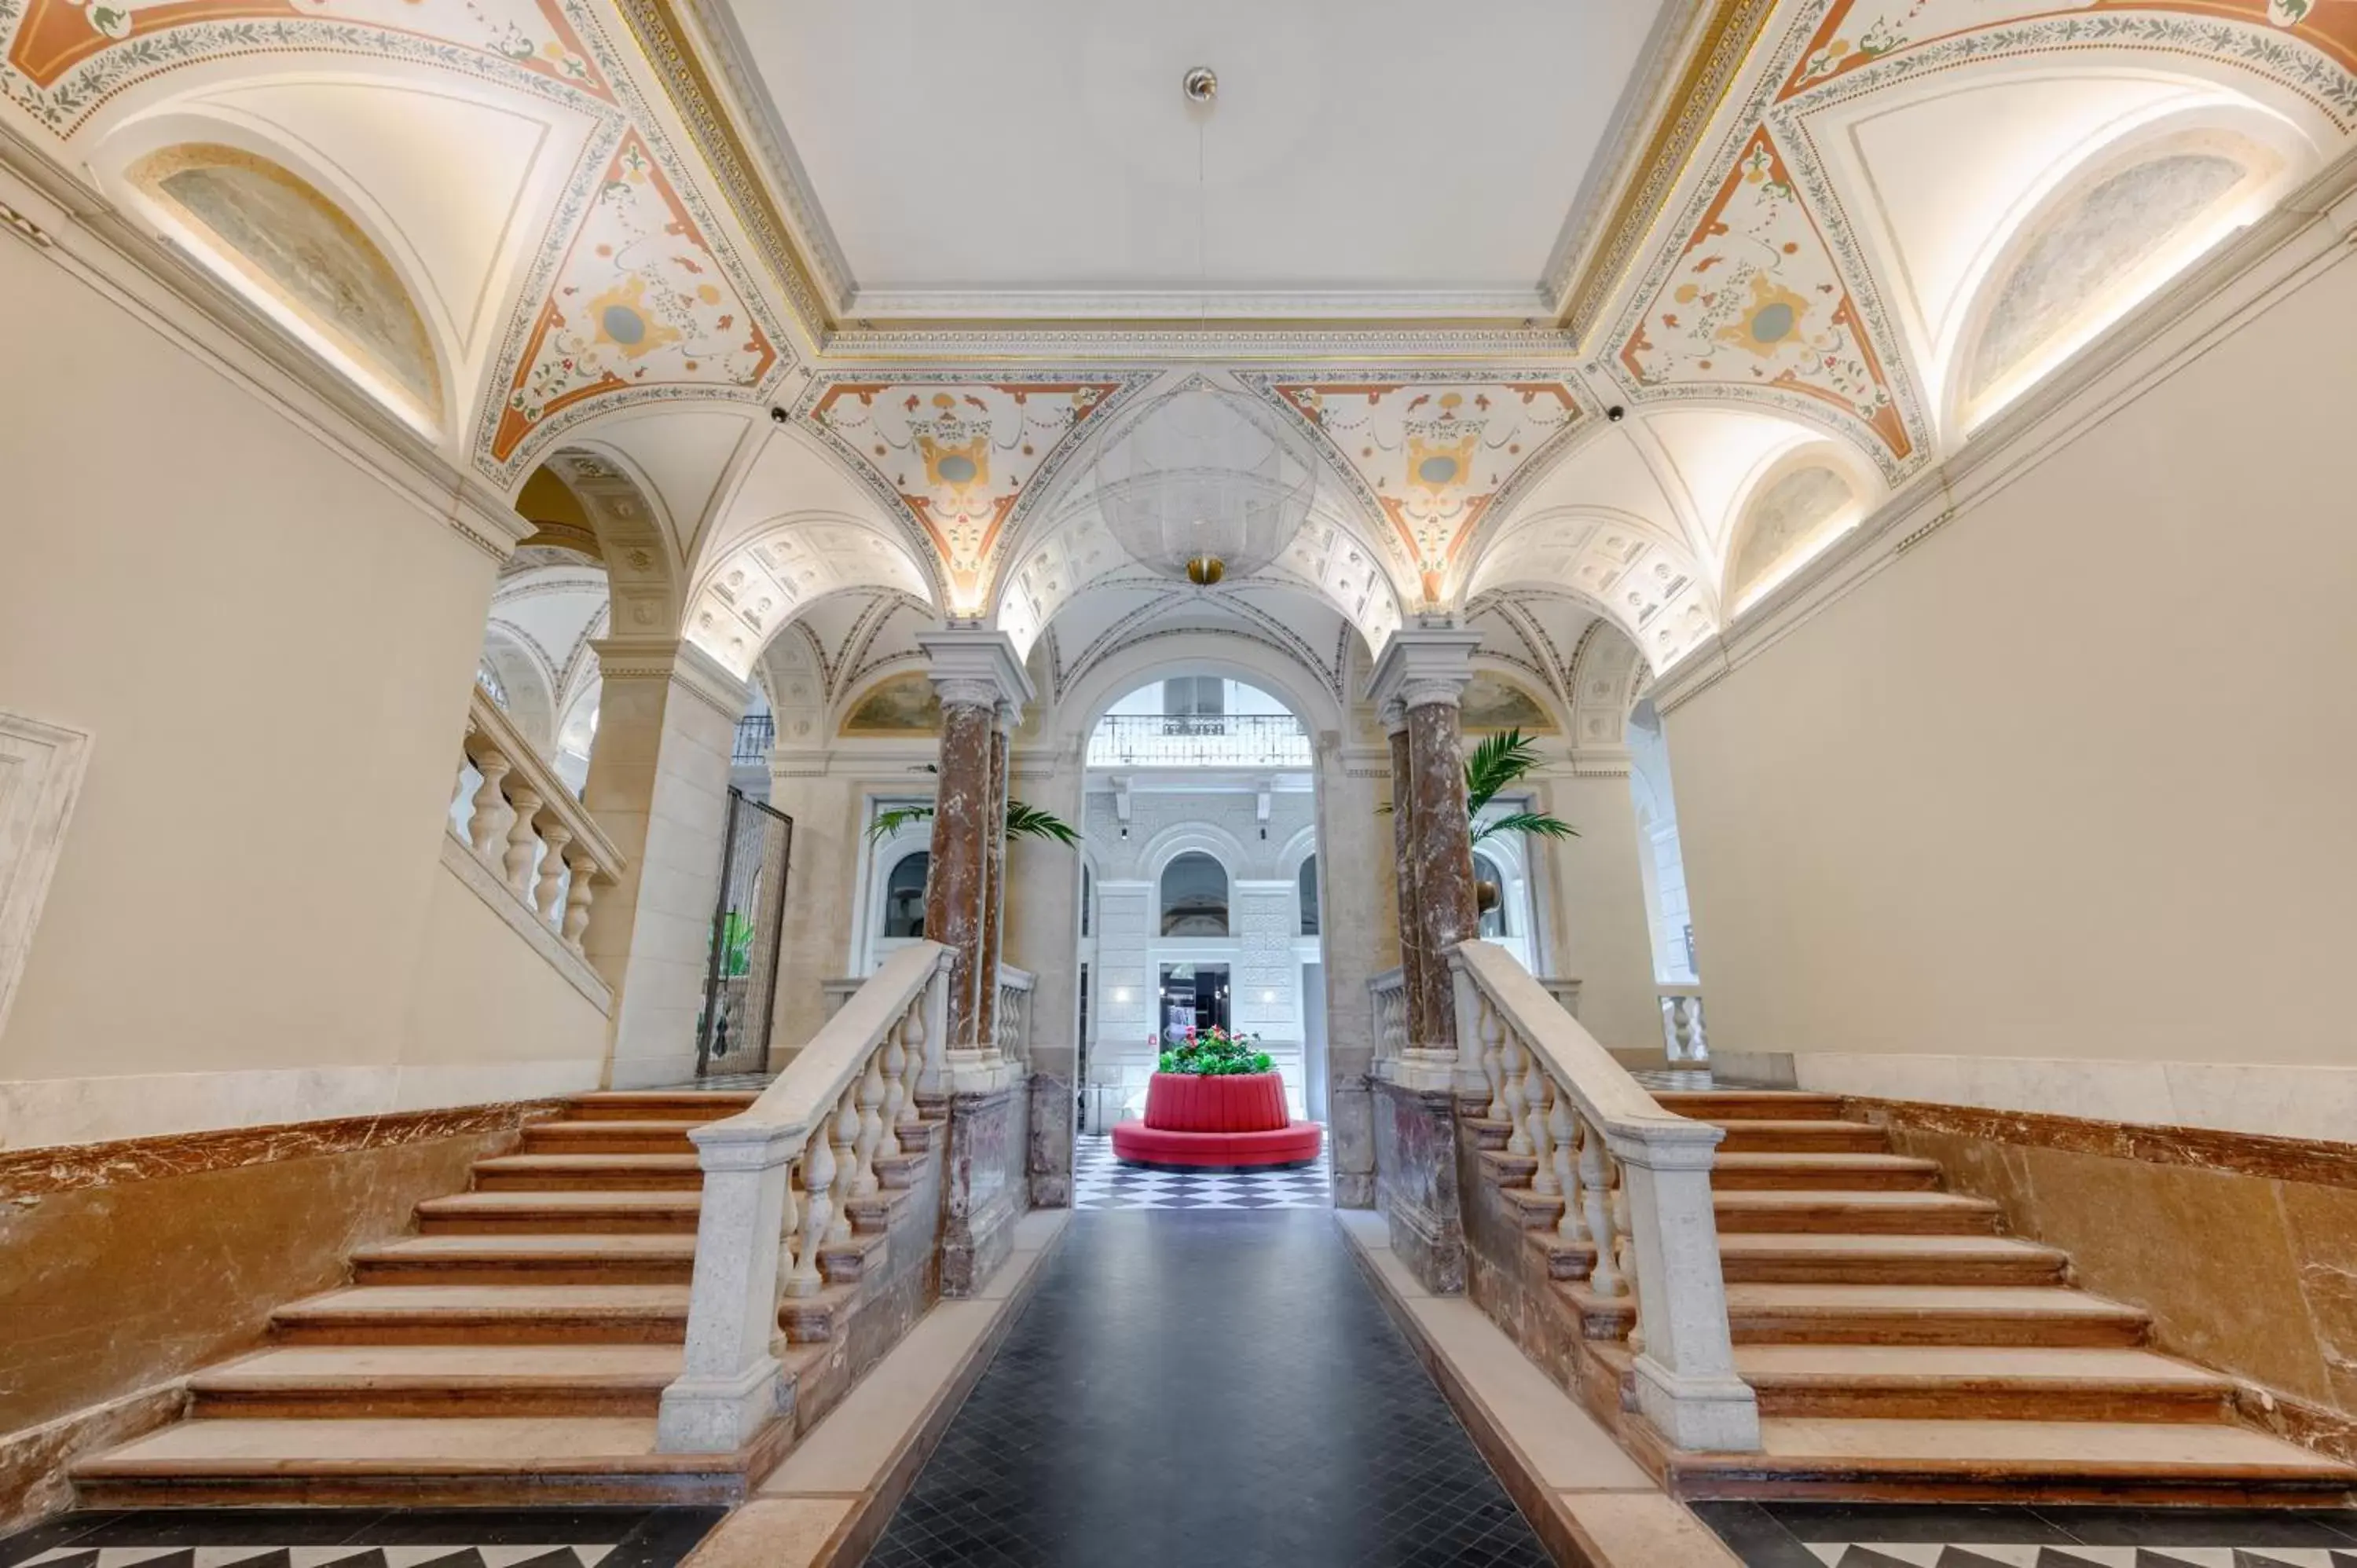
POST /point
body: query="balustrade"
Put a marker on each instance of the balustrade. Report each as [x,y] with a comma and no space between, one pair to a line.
[779,1179]
[1011,1023]
[1387,993]
[1635,1183]
[1564,991]
[525,827]
[1681,1030]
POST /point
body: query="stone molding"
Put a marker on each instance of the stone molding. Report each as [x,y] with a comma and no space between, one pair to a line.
[1424,666]
[44,766]
[69,1167]
[976,666]
[695,671]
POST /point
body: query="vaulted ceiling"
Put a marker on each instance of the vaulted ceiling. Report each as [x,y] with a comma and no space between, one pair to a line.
[1632,306]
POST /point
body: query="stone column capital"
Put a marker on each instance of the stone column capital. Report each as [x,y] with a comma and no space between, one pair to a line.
[1425,666]
[975,667]
[673,659]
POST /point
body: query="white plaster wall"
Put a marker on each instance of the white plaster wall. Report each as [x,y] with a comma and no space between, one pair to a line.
[1597,916]
[2070,780]
[274,653]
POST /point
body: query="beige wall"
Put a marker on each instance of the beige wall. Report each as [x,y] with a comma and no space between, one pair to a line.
[1596,910]
[479,991]
[273,651]
[2071,778]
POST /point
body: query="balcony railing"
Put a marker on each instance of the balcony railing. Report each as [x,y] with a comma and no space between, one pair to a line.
[1204,740]
[755,733]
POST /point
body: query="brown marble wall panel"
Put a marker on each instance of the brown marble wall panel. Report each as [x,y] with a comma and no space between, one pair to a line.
[1049,1138]
[1416,1185]
[986,1187]
[2244,1266]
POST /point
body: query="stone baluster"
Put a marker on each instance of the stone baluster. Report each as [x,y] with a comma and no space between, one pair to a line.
[488,826]
[871,1126]
[1624,1261]
[1494,1061]
[818,1209]
[1697,1041]
[914,1032]
[548,897]
[1564,1123]
[1596,1199]
[846,1168]
[523,840]
[1512,1060]
[578,895]
[1539,1094]
[789,1227]
[895,1061]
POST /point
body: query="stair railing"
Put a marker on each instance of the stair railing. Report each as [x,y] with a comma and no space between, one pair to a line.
[1387,993]
[526,829]
[1682,1031]
[778,1179]
[1635,1184]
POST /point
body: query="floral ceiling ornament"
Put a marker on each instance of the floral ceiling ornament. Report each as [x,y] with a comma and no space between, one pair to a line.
[1432,455]
[640,302]
[962,457]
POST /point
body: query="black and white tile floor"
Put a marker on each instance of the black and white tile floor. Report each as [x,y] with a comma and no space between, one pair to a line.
[363,1538]
[1101,1181]
[1839,1535]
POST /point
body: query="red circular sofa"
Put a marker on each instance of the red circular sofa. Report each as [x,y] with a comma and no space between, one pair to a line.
[1238,1121]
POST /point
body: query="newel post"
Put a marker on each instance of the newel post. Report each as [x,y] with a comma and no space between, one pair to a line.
[730,1386]
[1687,1382]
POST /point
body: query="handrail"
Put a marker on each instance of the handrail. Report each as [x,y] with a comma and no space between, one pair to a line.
[779,1180]
[1634,1181]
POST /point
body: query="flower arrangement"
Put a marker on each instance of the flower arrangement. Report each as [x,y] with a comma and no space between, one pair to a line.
[1210,1053]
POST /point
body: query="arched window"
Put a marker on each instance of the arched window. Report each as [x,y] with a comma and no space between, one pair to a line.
[1194,896]
[904,895]
[1309,896]
[1493,918]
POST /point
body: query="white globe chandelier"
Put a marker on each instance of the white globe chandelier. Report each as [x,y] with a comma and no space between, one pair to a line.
[1205,482]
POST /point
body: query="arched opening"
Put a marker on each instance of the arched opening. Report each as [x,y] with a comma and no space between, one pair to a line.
[1306,896]
[1194,898]
[903,914]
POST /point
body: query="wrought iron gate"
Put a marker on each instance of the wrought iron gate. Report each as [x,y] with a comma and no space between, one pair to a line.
[740,983]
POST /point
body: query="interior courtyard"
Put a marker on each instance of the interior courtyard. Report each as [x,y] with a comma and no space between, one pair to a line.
[1284,783]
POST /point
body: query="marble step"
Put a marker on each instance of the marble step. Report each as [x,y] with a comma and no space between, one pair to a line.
[1981,1382]
[1805,1172]
[1760,1136]
[614,1136]
[553,1258]
[1750,1104]
[476,1314]
[540,1172]
[418,1463]
[609,1213]
[388,1381]
[658,1104]
[1856,1213]
[1785,1258]
[2017,1462]
[1928,1314]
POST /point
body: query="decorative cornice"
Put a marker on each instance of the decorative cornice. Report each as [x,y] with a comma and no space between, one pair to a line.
[683,663]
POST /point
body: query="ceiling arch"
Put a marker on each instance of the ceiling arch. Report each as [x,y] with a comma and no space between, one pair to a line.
[755,588]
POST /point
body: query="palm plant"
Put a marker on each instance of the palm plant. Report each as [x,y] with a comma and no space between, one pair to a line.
[1500,762]
[1022,821]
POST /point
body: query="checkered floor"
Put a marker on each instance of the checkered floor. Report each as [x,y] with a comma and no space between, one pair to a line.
[1101,1181]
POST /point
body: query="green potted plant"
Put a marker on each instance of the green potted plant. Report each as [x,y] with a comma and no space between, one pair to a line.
[1496,765]
[1022,821]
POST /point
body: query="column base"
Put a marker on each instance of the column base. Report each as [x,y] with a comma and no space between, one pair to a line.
[1049,1136]
[721,1416]
[1698,1415]
[1415,1183]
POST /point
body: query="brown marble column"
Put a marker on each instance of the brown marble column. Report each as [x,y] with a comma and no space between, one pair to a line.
[993,893]
[956,883]
[1411,941]
[1440,850]
[978,677]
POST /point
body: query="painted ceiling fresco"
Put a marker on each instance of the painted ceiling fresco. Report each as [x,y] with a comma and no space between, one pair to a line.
[964,458]
[1430,455]
[649,268]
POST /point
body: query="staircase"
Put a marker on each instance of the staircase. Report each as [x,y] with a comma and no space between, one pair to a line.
[515,1349]
[1900,1346]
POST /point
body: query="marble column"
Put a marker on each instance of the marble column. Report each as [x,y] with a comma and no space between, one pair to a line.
[657,786]
[1411,936]
[994,877]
